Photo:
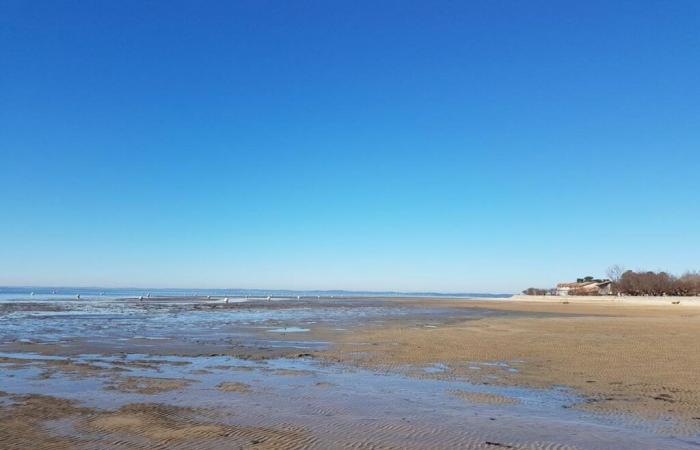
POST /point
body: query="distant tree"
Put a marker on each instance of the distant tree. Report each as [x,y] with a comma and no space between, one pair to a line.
[689,283]
[535,291]
[658,283]
[614,273]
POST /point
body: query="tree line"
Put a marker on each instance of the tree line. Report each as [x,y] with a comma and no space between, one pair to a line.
[640,282]
[656,283]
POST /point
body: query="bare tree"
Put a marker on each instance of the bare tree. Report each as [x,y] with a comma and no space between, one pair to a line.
[689,284]
[614,273]
[658,283]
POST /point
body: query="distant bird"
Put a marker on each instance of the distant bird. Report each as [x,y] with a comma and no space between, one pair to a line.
[148,295]
[298,297]
[78,296]
[269,298]
[208,297]
[32,294]
[226,299]
[140,297]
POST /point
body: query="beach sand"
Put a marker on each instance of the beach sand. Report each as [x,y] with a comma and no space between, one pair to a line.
[643,360]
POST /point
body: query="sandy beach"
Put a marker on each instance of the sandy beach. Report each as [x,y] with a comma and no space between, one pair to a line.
[629,358]
[198,373]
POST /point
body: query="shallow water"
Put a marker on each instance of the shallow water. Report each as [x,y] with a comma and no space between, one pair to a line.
[330,399]
[8,293]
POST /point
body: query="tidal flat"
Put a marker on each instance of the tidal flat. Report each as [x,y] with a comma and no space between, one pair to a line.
[204,373]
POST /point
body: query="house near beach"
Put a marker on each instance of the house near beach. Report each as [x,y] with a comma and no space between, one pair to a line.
[585,287]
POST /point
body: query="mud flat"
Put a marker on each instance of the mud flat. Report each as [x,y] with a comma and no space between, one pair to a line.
[347,373]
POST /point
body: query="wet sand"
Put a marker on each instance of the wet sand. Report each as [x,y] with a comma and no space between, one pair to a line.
[347,373]
[631,359]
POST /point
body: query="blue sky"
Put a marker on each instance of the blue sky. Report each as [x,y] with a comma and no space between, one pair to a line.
[451,146]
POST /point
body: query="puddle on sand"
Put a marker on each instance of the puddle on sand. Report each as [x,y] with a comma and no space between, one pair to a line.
[436,368]
[288,330]
[476,365]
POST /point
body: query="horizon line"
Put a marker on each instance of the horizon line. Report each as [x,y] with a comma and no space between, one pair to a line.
[345,291]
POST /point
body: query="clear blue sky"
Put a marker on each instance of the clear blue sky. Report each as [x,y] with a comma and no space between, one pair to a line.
[452,146]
